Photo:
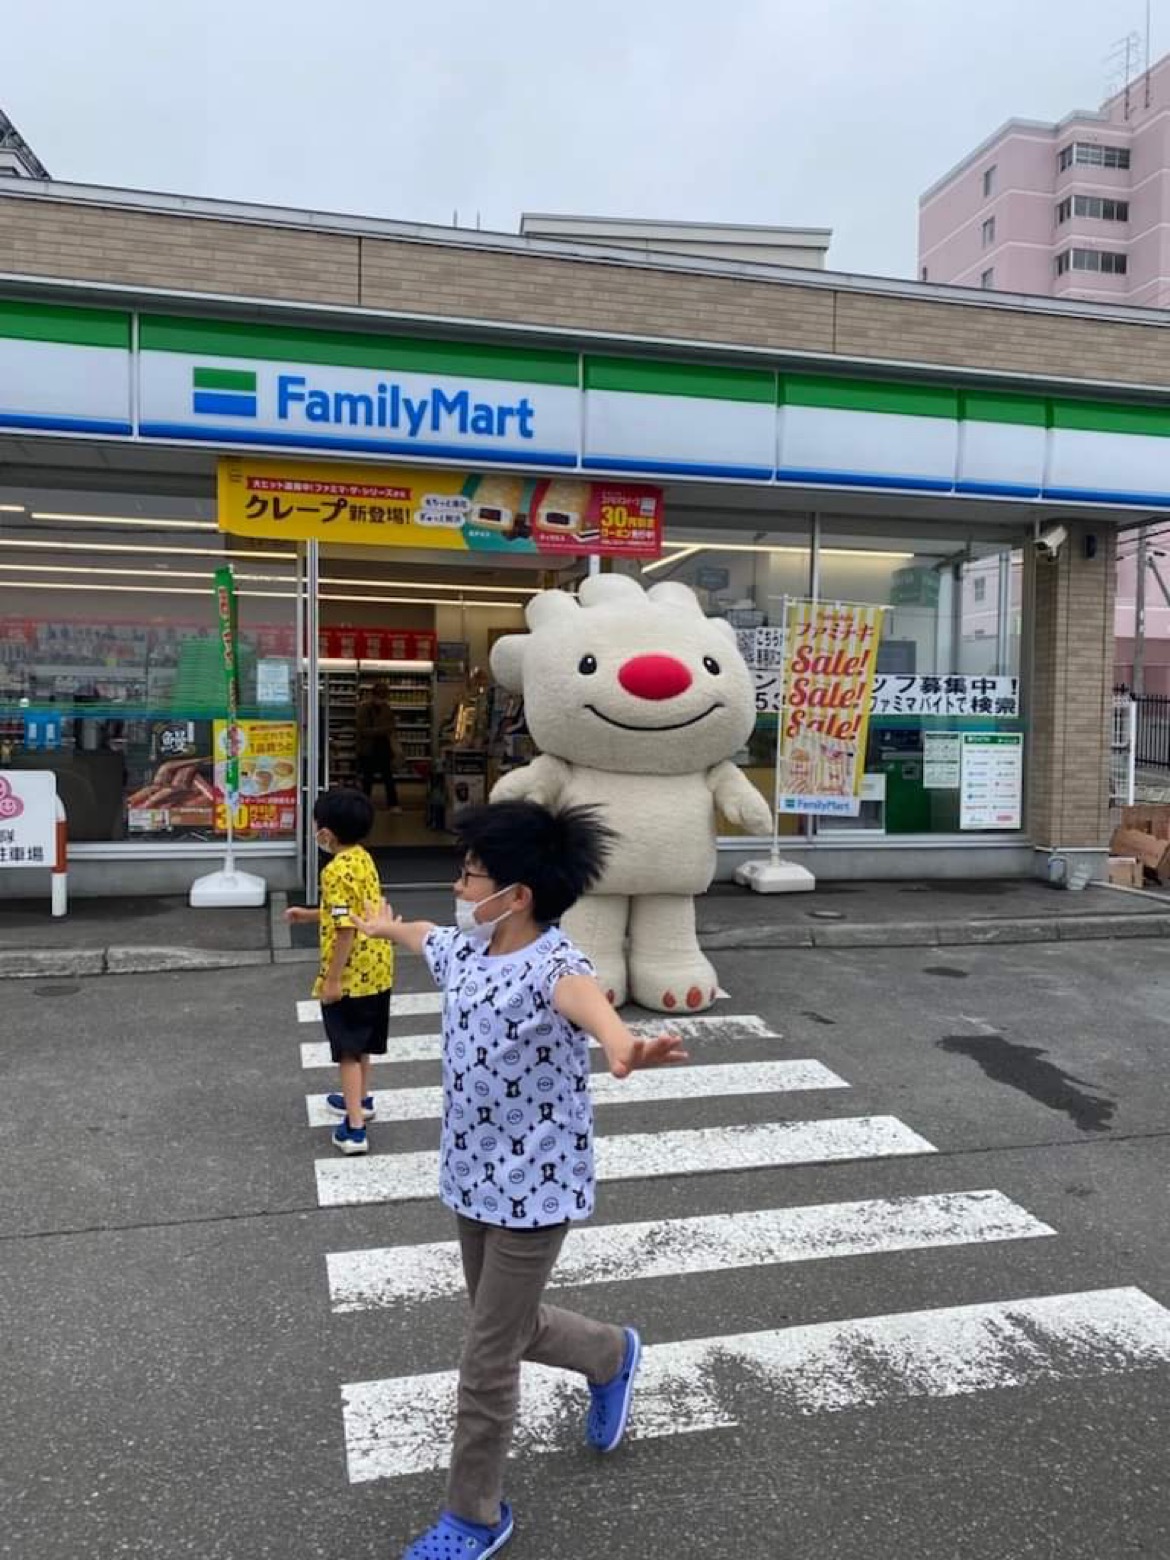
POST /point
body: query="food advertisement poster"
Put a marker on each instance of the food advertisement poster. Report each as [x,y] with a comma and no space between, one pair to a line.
[179,793]
[456,511]
[830,656]
[267,752]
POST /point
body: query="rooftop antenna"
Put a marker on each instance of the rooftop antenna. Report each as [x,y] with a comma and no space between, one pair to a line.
[1122,62]
[1148,7]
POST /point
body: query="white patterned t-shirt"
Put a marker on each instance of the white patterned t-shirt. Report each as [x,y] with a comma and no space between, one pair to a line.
[517,1141]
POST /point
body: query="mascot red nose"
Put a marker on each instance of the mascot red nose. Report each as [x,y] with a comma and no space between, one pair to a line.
[637,702]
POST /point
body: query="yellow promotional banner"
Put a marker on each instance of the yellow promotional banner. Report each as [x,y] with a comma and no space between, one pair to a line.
[267,796]
[830,658]
[459,511]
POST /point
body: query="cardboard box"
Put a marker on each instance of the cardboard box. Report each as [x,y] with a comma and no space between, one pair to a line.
[1148,818]
[1150,852]
[1126,872]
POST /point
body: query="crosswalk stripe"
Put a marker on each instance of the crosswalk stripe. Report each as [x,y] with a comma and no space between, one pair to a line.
[403,1425]
[386,1178]
[402,1005]
[428,1047]
[669,1083]
[407,1276]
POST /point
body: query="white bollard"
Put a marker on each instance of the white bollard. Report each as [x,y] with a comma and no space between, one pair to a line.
[59,880]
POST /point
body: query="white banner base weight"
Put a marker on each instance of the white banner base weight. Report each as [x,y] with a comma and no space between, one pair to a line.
[227,889]
[775,877]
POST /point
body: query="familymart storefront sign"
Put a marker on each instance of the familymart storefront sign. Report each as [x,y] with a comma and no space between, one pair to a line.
[114,374]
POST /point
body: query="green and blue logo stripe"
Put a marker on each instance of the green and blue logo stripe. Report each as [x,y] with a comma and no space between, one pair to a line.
[223,392]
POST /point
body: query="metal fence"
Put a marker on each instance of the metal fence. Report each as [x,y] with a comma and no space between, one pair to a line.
[1153,730]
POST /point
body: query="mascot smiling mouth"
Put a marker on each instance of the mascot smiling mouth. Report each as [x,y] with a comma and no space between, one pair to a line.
[678,726]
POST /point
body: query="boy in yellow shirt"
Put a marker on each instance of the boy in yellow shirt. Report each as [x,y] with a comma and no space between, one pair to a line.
[357,972]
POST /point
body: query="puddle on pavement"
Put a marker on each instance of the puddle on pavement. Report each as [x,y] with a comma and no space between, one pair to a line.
[56,991]
[1023,1067]
[949,971]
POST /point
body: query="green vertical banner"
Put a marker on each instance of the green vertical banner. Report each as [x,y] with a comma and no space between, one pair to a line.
[225,599]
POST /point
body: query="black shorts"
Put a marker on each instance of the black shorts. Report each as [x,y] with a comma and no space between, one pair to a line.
[357,1026]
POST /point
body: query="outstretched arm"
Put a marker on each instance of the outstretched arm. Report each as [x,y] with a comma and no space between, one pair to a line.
[541,781]
[738,800]
[581,1000]
[380,921]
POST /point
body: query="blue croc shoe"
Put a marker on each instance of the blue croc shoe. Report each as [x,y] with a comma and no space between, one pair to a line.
[452,1538]
[610,1408]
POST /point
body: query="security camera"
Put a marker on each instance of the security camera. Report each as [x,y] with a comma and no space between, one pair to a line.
[1051,540]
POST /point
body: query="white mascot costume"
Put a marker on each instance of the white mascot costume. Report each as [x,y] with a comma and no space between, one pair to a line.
[637,702]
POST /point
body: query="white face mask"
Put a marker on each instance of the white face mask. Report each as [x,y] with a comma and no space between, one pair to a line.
[465,919]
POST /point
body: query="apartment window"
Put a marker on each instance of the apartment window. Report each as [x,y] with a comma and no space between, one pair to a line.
[989,232]
[987,279]
[1087,154]
[980,584]
[989,181]
[1107,262]
[1095,206]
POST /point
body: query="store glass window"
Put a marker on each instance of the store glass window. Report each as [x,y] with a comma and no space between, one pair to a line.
[111,672]
[948,666]
[746,576]
[945,747]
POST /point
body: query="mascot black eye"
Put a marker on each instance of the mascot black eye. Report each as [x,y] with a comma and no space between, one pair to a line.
[712,665]
[587,665]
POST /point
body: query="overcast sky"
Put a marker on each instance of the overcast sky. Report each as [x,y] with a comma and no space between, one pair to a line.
[833,113]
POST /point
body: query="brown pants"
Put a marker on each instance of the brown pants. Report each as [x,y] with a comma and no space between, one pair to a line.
[506,1272]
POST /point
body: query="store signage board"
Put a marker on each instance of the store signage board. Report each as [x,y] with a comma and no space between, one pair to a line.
[992,782]
[28,818]
[452,511]
[376,411]
[65,370]
[829,660]
[998,697]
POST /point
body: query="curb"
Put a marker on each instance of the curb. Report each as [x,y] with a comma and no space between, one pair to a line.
[39,963]
[947,934]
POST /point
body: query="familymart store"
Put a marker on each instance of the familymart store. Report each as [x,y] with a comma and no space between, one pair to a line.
[389,500]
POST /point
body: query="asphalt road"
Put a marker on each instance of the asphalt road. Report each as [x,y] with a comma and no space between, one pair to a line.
[172,1369]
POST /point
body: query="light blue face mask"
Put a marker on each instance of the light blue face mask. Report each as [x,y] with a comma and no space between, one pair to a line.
[465,917]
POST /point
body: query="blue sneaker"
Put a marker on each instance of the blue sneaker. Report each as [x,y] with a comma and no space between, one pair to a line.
[350,1140]
[610,1408]
[335,1105]
[452,1538]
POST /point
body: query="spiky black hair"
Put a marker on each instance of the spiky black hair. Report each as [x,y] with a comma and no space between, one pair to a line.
[346,813]
[557,855]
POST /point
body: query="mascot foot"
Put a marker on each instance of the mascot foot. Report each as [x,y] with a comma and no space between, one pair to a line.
[672,985]
[611,977]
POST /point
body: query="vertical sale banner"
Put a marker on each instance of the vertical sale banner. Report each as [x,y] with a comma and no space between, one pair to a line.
[830,657]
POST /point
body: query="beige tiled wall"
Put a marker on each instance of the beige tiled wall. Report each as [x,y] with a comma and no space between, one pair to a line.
[189,253]
[1072,692]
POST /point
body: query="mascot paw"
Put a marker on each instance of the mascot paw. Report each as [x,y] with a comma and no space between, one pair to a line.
[673,986]
[611,977]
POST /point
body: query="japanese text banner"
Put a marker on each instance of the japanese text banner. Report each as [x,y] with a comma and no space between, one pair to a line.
[830,657]
[385,506]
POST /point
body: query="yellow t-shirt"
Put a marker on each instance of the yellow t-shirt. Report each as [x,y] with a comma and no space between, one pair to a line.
[349,882]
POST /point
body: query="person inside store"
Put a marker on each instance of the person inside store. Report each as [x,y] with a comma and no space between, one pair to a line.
[377,743]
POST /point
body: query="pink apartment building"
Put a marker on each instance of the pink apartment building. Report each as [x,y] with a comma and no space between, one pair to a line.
[1079,209]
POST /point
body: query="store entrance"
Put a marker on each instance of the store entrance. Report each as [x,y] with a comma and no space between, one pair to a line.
[407,708]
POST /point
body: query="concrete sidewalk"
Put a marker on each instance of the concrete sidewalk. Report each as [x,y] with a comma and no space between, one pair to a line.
[128,936]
